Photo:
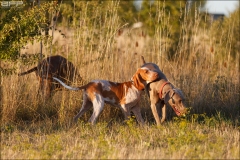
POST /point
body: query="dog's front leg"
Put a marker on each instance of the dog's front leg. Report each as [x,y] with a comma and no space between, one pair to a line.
[163,106]
[126,111]
[154,101]
[137,112]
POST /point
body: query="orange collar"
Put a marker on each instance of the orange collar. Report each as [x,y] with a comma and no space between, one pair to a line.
[161,88]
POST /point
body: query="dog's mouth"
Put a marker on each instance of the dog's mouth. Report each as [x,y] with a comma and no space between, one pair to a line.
[176,111]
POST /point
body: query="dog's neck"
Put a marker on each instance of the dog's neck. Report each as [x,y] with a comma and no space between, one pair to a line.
[164,87]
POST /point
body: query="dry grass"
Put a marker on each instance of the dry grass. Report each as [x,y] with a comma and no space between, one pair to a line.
[37,130]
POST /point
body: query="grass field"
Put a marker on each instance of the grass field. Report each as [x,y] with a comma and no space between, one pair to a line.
[178,139]
[201,68]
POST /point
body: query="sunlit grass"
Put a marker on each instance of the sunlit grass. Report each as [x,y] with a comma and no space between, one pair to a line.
[177,140]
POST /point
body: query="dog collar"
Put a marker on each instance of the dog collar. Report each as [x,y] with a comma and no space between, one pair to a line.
[161,88]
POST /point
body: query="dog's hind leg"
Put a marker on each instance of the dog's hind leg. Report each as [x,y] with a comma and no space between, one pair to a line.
[98,105]
[85,107]
[155,113]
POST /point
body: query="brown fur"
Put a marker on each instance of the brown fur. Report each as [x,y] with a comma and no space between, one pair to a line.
[56,66]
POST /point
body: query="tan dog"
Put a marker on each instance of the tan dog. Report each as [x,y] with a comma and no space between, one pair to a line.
[56,66]
[163,92]
[124,95]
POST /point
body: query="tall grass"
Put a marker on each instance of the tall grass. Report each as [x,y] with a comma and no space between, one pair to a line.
[35,129]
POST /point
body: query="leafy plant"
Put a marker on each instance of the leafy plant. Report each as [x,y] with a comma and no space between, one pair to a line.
[19,26]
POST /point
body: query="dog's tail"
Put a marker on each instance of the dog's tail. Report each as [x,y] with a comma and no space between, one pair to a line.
[69,87]
[143,60]
[27,72]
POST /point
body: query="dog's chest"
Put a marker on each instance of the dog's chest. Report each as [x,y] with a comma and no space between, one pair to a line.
[132,95]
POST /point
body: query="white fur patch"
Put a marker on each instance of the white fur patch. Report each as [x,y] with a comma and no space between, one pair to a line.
[66,86]
[105,84]
[132,95]
[148,82]
[98,103]
[145,68]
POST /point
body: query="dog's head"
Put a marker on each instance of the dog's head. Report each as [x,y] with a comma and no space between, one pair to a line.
[144,76]
[176,100]
[153,67]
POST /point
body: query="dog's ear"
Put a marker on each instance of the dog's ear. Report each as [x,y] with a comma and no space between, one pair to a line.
[166,96]
[143,61]
[172,92]
[137,80]
[179,92]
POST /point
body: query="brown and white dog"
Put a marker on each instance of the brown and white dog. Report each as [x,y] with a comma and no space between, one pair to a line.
[56,66]
[163,92]
[124,95]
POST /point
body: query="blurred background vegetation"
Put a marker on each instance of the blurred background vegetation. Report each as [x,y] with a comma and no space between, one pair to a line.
[23,23]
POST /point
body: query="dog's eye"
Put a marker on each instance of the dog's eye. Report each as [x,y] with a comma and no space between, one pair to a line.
[146,71]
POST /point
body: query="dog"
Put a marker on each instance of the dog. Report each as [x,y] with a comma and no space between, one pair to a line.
[124,95]
[56,66]
[162,92]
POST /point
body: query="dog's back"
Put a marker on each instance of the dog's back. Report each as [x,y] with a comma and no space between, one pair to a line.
[57,66]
